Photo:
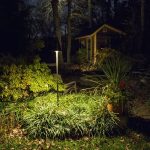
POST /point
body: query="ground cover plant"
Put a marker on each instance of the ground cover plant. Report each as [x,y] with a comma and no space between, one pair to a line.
[34,117]
[77,115]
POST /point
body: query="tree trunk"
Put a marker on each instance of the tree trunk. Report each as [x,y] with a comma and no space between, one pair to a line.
[142,22]
[142,15]
[69,32]
[56,18]
[90,13]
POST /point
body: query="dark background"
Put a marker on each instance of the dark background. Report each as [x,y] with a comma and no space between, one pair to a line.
[21,25]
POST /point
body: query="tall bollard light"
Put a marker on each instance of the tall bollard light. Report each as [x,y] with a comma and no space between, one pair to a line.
[57,52]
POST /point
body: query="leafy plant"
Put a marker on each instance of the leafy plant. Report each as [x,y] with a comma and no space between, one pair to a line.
[116,68]
[94,82]
[77,115]
[113,94]
[22,81]
[105,121]
[102,55]
[87,67]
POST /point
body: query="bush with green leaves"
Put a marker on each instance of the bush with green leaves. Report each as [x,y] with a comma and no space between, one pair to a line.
[77,115]
[22,81]
[113,93]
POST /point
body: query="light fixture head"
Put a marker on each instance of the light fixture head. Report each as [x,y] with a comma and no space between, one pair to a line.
[56,51]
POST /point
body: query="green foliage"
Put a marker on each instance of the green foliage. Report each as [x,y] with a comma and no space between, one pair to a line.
[94,83]
[77,115]
[82,56]
[22,81]
[116,68]
[105,121]
[102,55]
[87,67]
[113,84]
[113,93]
[102,87]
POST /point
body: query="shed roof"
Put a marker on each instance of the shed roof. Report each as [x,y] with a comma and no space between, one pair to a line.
[100,29]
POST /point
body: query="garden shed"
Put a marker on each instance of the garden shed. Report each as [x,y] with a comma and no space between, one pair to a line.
[104,37]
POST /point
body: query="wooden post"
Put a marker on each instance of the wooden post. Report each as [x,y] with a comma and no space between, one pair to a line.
[91,49]
[95,47]
[87,47]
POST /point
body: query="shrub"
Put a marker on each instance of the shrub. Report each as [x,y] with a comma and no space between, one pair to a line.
[105,123]
[22,81]
[116,68]
[77,115]
[113,93]
[102,55]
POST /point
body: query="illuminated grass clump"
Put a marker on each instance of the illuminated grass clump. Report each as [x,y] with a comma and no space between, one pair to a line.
[76,116]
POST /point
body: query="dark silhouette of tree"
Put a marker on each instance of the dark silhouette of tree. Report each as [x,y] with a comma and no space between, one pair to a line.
[90,12]
[15,27]
[69,37]
[57,25]
[142,15]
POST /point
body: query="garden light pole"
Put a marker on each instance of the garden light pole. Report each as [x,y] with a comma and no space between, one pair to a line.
[57,52]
